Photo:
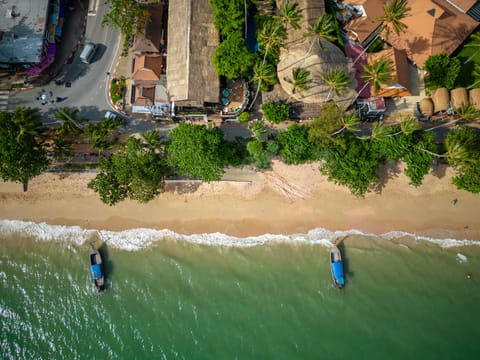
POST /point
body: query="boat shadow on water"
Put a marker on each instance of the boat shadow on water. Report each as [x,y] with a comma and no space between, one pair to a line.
[107,265]
[349,274]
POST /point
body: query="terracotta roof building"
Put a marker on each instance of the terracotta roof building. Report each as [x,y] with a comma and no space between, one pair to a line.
[153,38]
[400,83]
[434,26]
[192,39]
[147,91]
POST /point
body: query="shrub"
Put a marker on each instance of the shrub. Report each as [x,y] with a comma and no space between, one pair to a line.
[117,88]
[243,117]
[276,111]
[442,71]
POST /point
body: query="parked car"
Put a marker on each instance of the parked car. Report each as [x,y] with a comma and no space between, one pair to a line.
[114,116]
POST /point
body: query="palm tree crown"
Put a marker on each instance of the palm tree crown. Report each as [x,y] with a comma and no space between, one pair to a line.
[394,12]
[337,79]
[300,80]
[324,28]
[378,73]
[272,35]
[264,75]
[290,14]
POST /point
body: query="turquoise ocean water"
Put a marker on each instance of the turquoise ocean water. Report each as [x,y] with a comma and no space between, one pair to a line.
[269,297]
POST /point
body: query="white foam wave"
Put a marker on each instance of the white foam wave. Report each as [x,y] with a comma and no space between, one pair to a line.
[136,239]
[462,258]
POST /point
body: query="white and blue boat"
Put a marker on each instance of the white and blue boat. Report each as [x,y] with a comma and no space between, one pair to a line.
[336,265]
[96,268]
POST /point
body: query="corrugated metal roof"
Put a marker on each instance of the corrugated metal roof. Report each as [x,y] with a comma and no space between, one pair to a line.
[192,39]
[22,29]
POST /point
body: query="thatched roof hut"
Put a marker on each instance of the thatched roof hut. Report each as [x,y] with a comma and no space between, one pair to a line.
[426,107]
[474,95]
[305,52]
[459,97]
[311,10]
[441,99]
[192,39]
[318,62]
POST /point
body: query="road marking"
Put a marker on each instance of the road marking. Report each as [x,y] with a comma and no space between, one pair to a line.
[4,100]
[92,7]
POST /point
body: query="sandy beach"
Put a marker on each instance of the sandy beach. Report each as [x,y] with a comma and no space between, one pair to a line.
[285,200]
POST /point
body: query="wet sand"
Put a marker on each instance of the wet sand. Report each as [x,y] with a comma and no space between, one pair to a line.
[285,200]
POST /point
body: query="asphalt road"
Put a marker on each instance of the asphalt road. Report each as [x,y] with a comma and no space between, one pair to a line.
[89,84]
[88,90]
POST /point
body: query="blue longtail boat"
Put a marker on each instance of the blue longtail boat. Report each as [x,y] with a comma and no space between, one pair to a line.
[336,265]
[96,269]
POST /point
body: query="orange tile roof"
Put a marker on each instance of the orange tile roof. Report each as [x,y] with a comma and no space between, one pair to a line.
[365,25]
[434,27]
[147,68]
[400,73]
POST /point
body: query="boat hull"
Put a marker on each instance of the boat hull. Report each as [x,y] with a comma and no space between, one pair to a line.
[96,269]
[336,267]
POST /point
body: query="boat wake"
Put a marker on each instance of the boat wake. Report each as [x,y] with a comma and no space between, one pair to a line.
[136,239]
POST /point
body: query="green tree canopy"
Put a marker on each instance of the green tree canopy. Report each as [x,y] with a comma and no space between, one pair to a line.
[355,166]
[463,154]
[135,171]
[295,148]
[256,149]
[229,15]
[276,111]
[22,155]
[323,130]
[196,151]
[130,17]
[232,58]
[442,71]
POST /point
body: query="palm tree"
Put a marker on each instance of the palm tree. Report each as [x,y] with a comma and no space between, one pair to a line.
[474,43]
[71,123]
[337,79]
[394,12]
[258,129]
[467,112]
[272,35]
[97,137]
[110,124]
[409,124]
[324,28]
[377,74]
[28,121]
[300,80]
[152,139]
[264,75]
[290,14]
[349,122]
[476,76]
[61,148]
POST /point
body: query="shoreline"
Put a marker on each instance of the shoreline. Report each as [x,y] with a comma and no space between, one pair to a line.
[285,200]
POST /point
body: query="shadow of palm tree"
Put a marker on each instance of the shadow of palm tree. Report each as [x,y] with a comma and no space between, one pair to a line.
[388,172]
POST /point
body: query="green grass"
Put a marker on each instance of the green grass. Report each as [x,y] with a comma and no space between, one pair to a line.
[117,89]
[465,78]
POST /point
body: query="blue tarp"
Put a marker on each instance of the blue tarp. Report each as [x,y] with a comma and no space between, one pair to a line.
[96,271]
[337,269]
